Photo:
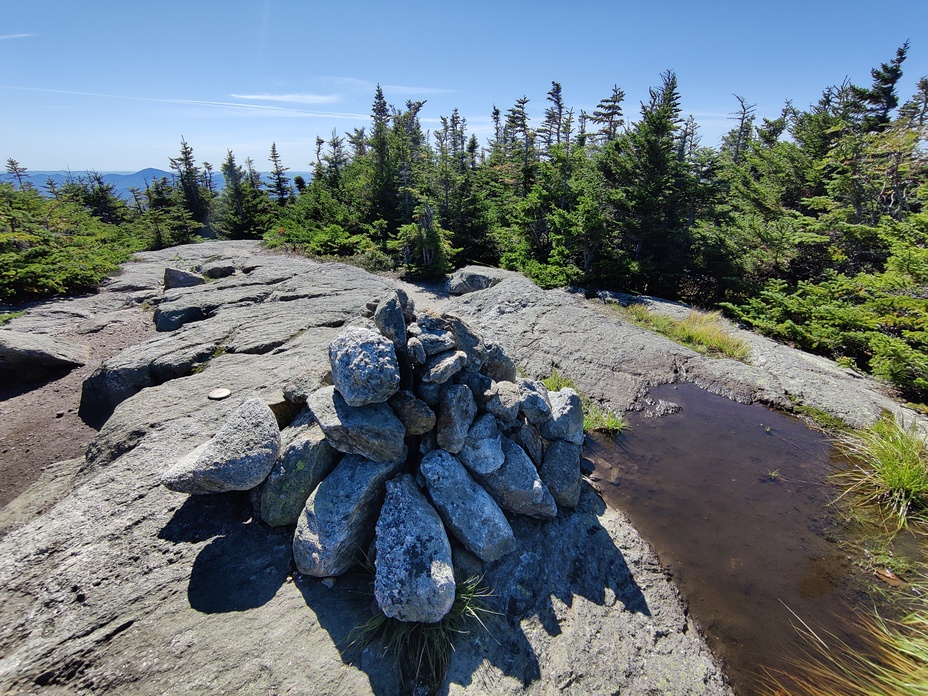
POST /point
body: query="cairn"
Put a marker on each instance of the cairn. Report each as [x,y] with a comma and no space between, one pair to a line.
[425,439]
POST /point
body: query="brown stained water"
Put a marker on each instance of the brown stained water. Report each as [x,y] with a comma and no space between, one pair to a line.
[735,499]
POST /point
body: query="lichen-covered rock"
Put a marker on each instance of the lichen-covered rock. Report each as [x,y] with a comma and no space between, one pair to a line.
[505,401]
[516,486]
[469,512]
[339,516]
[483,448]
[305,459]
[364,366]
[566,422]
[415,413]
[443,366]
[371,431]
[535,403]
[456,413]
[237,458]
[388,317]
[414,577]
[560,472]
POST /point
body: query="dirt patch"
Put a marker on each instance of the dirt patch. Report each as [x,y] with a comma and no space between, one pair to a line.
[39,424]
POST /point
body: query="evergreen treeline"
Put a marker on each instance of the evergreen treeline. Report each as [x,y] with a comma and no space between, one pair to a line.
[810,226]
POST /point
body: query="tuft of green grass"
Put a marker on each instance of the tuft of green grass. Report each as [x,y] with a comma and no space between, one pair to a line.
[596,419]
[890,470]
[893,661]
[422,651]
[704,332]
[822,419]
[4,318]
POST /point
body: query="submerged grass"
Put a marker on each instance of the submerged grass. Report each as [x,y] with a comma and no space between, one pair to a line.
[596,419]
[892,662]
[704,332]
[889,470]
[422,651]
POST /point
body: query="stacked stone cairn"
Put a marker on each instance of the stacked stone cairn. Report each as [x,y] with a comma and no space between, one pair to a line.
[425,439]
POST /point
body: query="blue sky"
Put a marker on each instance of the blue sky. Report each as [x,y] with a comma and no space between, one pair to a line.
[112,85]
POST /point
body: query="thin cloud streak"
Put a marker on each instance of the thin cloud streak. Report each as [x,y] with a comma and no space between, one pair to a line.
[368,86]
[254,108]
[291,98]
[4,37]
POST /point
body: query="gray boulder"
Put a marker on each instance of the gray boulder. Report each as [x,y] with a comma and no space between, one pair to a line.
[339,515]
[388,316]
[482,386]
[443,366]
[467,340]
[305,459]
[371,431]
[455,415]
[566,422]
[19,350]
[469,512]
[535,403]
[414,578]
[474,278]
[505,402]
[516,486]
[178,278]
[560,472]
[483,448]
[364,366]
[237,458]
[415,413]
[437,341]
[416,350]
[498,365]
[430,392]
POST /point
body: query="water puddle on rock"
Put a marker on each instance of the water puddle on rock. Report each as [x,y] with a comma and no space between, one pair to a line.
[735,500]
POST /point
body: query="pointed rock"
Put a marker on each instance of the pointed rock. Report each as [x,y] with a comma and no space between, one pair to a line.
[414,578]
[305,459]
[237,458]
[560,472]
[483,448]
[469,512]
[455,415]
[566,422]
[516,486]
[339,516]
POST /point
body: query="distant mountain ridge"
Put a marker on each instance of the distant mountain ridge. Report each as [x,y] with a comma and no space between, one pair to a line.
[124,181]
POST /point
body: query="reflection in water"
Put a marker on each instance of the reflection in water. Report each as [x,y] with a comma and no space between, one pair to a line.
[735,501]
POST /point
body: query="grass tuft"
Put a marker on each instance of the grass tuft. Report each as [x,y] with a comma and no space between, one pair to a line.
[704,332]
[893,661]
[890,471]
[4,318]
[422,651]
[596,419]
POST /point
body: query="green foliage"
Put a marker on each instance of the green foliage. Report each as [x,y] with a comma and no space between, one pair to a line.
[50,247]
[10,316]
[595,417]
[890,470]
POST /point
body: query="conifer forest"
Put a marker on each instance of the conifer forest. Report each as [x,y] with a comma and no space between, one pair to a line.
[809,225]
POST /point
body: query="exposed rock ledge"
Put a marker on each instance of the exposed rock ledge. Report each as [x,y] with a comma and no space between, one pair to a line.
[126,587]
